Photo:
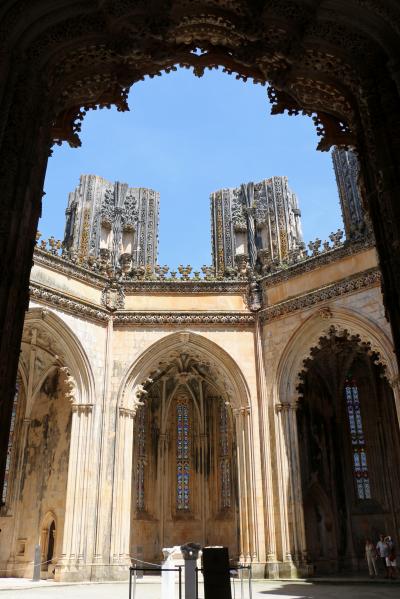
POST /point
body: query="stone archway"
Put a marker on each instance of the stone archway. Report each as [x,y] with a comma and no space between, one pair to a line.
[185,463]
[338,63]
[48,530]
[319,325]
[183,369]
[52,448]
[349,441]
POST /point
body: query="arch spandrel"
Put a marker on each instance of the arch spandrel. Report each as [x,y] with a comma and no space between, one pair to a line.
[320,325]
[230,376]
[66,355]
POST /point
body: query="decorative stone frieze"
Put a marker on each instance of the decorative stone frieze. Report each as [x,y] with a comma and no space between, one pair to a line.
[369,278]
[143,318]
[57,299]
[323,258]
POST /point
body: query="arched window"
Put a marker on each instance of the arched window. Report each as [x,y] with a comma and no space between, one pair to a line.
[183,437]
[10,448]
[360,467]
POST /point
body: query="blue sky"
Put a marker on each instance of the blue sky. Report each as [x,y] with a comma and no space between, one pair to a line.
[186,137]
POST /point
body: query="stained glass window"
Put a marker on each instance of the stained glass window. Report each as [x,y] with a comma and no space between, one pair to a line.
[182,455]
[141,436]
[10,448]
[224,461]
[360,466]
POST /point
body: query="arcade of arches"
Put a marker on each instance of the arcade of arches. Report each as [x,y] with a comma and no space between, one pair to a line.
[338,64]
[273,432]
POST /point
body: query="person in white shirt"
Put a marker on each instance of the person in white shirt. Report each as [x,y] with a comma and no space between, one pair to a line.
[382,550]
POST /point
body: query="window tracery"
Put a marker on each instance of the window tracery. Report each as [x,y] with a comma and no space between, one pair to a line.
[10,447]
[360,466]
[183,435]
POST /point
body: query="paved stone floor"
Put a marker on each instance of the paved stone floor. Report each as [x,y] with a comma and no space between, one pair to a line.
[261,590]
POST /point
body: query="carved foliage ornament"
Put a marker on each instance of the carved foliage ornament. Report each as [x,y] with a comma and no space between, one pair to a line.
[339,340]
[130,39]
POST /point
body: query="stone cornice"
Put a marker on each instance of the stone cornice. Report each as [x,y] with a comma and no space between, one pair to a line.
[59,264]
[144,318]
[60,300]
[96,279]
[321,259]
[180,286]
[57,299]
[368,278]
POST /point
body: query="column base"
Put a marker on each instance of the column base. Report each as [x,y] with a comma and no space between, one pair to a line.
[272,570]
[294,569]
[75,572]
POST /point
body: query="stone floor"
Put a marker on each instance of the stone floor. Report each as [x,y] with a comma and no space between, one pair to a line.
[25,589]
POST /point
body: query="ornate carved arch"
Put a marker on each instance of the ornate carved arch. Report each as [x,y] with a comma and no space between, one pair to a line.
[66,355]
[138,375]
[312,54]
[319,325]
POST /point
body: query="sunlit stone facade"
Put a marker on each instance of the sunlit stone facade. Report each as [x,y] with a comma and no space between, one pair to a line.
[157,409]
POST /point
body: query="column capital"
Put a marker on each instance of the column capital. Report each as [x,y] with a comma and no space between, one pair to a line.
[287,406]
[127,412]
[242,411]
[82,408]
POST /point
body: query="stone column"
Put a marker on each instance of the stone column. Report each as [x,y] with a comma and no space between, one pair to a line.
[295,539]
[245,483]
[73,554]
[265,436]
[203,443]
[104,458]
[162,461]
[17,485]
[204,486]
[162,480]
[394,382]
[379,155]
[122,492]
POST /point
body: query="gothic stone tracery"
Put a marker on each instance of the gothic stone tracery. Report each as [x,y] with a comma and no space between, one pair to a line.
[340,65]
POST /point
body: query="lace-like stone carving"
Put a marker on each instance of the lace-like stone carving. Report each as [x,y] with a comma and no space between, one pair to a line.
[110,220]
[256,217]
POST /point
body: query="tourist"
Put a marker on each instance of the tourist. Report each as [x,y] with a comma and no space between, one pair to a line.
[370,556]
[382,551]
[391,563]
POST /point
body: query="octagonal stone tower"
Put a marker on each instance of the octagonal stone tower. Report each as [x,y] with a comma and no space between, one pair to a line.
[113,221]
[256,223]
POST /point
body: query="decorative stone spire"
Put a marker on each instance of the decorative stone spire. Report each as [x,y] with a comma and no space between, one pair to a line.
[113,221]
[346,168]
[256,224]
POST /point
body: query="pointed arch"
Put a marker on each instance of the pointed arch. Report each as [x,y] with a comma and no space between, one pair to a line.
[308,335]
[72,355]
[234,382]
